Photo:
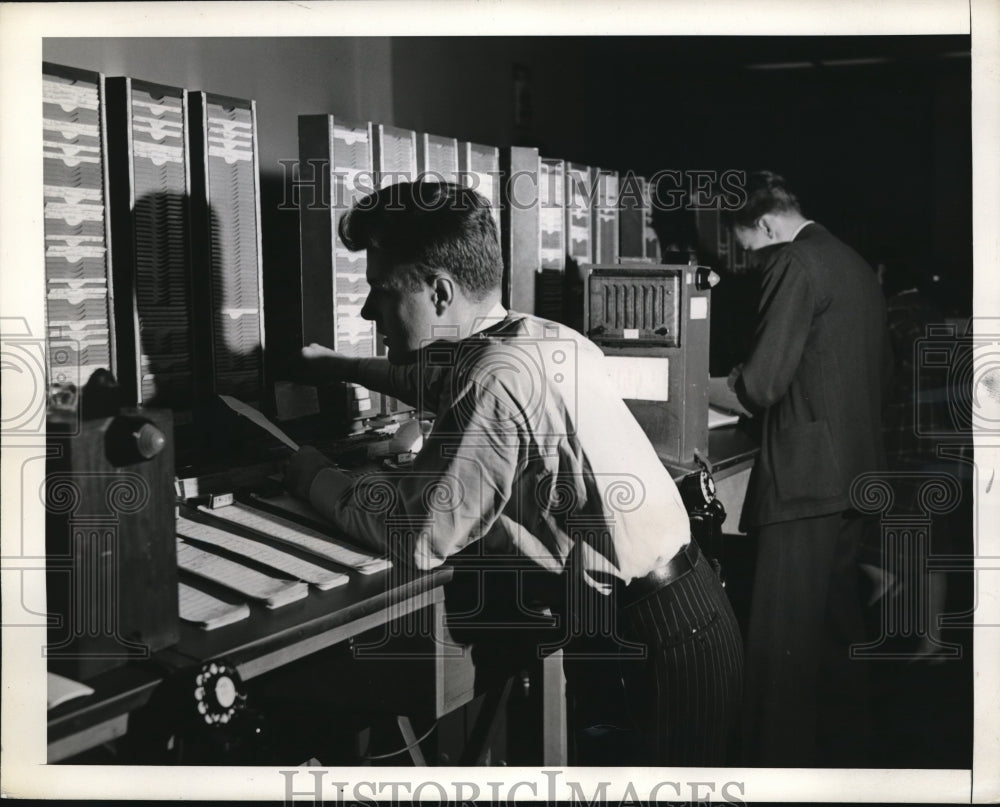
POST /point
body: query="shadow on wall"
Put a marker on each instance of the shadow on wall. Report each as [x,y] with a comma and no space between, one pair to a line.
[282,272]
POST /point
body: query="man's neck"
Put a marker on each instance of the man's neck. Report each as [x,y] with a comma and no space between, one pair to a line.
[789,225]
[474,317]
[487,314]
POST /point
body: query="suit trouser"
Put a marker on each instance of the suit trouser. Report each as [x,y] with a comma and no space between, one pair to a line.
[806,701]
[668,691]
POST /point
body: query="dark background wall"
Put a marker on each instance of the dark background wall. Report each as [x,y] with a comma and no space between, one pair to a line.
[873,132]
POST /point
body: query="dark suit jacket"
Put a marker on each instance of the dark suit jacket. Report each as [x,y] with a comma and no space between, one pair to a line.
[817,375]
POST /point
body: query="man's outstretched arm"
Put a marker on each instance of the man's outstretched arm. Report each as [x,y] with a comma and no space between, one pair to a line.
[457,487]
[413,384]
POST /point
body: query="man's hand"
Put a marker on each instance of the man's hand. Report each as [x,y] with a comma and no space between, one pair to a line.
[320,365]
[302,469]
[734,375]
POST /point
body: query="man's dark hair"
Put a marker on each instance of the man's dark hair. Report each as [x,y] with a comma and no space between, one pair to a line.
[766,192]
[434,226]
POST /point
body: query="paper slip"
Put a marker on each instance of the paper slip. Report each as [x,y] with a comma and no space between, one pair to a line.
[61,689]
[257,418]
[206,611]
[248,582]
[723,398]
[300,569]
[717,418]
[307,538]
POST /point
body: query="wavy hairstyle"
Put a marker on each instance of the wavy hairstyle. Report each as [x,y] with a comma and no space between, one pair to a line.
[432,226]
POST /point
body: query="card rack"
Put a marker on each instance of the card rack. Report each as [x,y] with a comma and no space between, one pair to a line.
[334,287]
[150,183]
[550,295]
[479,167]
[605,216]
[519,216]
[579,213]
[551,214]
[394,154]
[632,218]
[437,157]
[715,239]
[650,241]
[79,296]
[225,228]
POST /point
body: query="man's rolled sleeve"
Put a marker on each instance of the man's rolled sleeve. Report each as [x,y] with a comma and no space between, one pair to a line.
[458,486]
[413,384]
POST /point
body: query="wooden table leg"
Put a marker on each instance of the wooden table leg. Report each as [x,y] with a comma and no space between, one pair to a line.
[484,730]
[410,739]
[553,710]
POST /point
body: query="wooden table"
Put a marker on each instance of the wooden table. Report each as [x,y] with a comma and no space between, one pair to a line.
[271,639]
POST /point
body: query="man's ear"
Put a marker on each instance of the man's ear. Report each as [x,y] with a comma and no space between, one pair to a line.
[442,293]
[768,224]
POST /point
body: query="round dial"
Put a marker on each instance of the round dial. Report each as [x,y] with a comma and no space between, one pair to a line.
[218,693]
[707,486]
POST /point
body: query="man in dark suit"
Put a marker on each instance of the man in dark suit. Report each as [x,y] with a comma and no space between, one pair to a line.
[815,376]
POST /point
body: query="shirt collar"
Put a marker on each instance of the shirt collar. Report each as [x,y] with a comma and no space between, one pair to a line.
[802,226]
[494,316]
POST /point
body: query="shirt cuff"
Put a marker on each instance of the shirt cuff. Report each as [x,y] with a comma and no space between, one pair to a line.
[327,487]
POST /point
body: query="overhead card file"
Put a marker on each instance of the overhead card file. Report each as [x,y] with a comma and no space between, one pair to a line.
[81,337]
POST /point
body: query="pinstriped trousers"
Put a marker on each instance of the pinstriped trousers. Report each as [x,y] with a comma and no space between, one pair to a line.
[679,704]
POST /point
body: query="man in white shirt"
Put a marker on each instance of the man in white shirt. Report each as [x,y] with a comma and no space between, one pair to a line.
[534,455]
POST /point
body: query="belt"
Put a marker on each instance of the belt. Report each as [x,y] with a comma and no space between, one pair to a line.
[673,570]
